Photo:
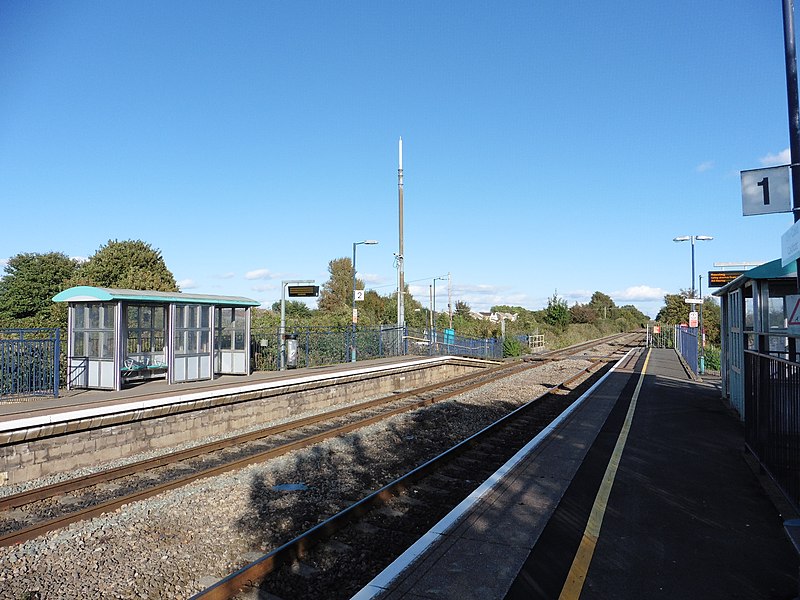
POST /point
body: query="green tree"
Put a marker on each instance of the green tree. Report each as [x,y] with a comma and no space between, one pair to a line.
[336,294]
[711,320]
[462,309]
[557,312]
[602,304]
[582,313]
[27,289]
[130,264]
[293,308]
[675,310]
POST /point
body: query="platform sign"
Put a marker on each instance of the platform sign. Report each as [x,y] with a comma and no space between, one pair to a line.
[793,314]
[693,318]
[303,291]
[359,295]
[693,300]
[790,244]
[720,278]
[766,191]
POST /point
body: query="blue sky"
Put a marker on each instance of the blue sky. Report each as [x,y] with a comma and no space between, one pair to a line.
[548,145]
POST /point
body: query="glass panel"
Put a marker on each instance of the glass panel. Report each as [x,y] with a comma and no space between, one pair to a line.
[158,317]
[109,310]
[79,316]
[133,342]
[180,342]
[777,319]
[225,340]
[78,344]
[146,346]
[133,317]
[205,316]
[94,316]
[93,351]
[191,347]
[158,341]
[239,340]
[748,313]
[227,317]
[108,345]
[191,316]
[179,316]
[147,320]
[204,341]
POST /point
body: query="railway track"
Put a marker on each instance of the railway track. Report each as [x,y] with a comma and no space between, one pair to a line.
[30,514]
[339,555]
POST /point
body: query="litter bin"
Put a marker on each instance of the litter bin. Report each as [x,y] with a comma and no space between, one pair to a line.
[291,351]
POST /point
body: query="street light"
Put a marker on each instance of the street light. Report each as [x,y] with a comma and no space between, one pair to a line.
[433,308]
[692,238]
[355,314]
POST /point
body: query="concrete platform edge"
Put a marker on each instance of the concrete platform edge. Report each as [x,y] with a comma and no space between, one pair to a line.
[382,582]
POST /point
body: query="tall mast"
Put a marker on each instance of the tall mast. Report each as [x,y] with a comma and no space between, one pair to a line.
[401,317]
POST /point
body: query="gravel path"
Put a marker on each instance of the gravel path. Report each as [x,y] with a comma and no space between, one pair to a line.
[178,543]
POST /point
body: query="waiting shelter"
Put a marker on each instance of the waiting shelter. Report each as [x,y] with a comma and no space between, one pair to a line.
[754,315]
[117,335]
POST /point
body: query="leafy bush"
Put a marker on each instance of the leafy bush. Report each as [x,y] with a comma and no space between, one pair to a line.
[512,347]
[712,358]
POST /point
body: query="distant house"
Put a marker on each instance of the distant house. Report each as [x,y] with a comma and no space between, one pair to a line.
[494,317]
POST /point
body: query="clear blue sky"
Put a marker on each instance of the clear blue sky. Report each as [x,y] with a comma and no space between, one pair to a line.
[548,145]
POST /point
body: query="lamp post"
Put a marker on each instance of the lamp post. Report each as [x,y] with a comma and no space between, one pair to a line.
[686,238]
[355,313]
[433,308]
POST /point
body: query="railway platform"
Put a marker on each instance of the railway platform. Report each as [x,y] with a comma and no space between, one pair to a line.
[46,436]
[642,491]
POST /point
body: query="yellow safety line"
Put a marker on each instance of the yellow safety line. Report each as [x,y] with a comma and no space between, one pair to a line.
[583,558]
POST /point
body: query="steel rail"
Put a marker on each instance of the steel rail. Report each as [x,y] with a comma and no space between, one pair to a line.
[479,379]
[105,476]
[256,571]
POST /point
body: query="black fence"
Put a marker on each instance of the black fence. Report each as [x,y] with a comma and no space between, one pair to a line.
[29,363]
[772,418]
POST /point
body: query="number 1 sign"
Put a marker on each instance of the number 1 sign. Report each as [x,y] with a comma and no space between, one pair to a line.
[766,191]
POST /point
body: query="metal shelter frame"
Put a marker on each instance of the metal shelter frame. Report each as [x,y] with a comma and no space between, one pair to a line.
[117,335]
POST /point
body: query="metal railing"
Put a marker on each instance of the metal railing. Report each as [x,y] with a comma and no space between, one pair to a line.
[686,345]
[772,418]
[29,363]
[318,346]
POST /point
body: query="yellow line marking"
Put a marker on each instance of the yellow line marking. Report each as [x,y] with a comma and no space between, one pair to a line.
[583,557]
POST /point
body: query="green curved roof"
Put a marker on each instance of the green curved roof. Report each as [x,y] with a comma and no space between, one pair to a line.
[770,270]
[86,293]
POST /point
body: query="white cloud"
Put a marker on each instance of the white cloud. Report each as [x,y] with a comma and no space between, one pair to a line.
[259,274]
[705,166]
[639,293]
[784,157]
[187,284]
[229,275]
[264,287]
